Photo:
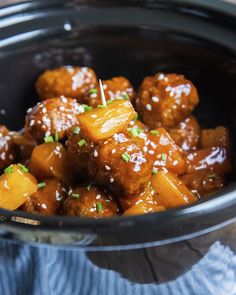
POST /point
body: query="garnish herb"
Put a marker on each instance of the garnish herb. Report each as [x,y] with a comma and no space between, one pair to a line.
[48,139]
[109,102]
[23,168]
[99,207]
[41,184]
[76,130]
[93,90]
[126,157]
[135,131]
[101,106]
[9,169]
[125,96]
[163,157]
[87,108]
[56,137]
[154,132]
[75,196]
[154,170]
[135,118]
[82,142]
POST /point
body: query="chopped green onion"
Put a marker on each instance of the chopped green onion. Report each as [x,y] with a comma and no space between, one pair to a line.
[93,90]
[154,170]
[99,207]
[76,196]
[101,106]
[135,131]
[48,139]
[87,108]
[126,157]
[125,96]
[109,102]
[89,187]
[212,176]
[23,168]
[76,130]
[82,142]
[135,118]
[9,169]
[154,132]
[41,184]
[56,137]
[163,157]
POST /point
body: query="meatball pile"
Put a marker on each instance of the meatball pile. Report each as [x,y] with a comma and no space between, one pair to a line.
[141,151]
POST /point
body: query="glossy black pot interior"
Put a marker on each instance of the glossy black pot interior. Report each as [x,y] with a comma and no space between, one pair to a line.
[134,39]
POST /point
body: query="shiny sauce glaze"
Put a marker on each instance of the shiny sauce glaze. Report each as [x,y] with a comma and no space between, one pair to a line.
[98,149]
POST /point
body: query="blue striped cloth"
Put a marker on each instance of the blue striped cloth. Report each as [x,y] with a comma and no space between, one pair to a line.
[47,271]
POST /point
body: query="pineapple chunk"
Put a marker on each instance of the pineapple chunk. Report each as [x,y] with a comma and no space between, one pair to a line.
[16,185]
[170,191]
[103,122]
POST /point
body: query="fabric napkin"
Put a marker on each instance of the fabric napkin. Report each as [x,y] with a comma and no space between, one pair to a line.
[49,271]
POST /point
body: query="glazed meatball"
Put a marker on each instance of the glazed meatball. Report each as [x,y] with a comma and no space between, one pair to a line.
[89,202]
[115,88]
[121,165]
[47,199]
[79,150]
[204,183]
[24,145]
[215,137]
[186,134]
[69,81]
[166,100]
[7,152]
[55,116]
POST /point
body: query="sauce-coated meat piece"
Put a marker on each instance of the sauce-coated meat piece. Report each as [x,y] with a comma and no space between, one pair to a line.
[89,202]
[203,182]
[7,152]
[24,145]
[215,137]
[166,100]
[53,117]
[47,199]
[215,159]
[69,81]
[115,88]
[186,134]
[121,165]
[79,150]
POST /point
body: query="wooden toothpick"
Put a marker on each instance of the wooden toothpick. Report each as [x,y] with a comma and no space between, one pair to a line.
[102,93]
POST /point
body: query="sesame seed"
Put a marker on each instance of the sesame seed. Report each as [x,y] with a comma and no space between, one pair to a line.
[32,123]
[155,99]
[44,110]
[113,151]
[107,167]
[98,197]
[29,110]
[111,180]
[151,152]
[161,77]
[95,153]
[94,116]
[148,107]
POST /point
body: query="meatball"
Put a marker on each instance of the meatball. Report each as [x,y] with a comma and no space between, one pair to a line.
[55,116]
[24,144]
[186,134]
[68,81]
[216,159]
[121,165]
[215,137]
[166,100]
[203,182]
[79,150]
[7,152]
[115,88]
[89,202]
[47,199]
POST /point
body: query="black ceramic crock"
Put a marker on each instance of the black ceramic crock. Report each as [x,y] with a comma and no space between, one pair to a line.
[134,39]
